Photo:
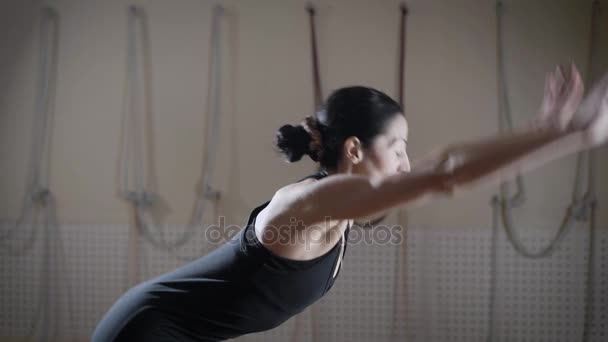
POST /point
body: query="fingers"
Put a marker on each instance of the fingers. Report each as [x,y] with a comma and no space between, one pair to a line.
[553,94]
[575,80]
[548,80]
[561,74]
[575,74]
[549,95]
[578,86]
[571,95]
[562,96]
[573,83]
[557,82]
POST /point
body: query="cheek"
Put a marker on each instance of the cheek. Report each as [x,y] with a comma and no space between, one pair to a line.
[386,161]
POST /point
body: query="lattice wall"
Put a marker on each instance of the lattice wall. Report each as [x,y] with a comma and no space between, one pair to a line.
[443,294]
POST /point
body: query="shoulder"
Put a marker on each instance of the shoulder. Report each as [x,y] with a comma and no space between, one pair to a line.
[293,188]
[284,200]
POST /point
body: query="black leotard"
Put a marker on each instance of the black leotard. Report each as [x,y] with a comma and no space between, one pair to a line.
[239,288]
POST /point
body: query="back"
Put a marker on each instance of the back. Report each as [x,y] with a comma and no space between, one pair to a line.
[239,288]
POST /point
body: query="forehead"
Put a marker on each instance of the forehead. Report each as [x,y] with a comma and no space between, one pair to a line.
[398,127]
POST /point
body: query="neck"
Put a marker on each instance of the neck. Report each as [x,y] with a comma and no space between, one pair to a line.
[343,168]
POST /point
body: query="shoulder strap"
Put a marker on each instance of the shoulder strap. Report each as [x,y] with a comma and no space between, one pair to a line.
[348,227]
[321,173]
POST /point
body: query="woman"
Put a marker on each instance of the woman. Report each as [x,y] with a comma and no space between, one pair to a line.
[265,275]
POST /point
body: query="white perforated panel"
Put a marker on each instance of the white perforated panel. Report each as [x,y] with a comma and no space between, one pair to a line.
[437,291]
[536,299]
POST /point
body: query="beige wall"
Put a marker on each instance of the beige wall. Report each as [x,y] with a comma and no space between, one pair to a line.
[266,78]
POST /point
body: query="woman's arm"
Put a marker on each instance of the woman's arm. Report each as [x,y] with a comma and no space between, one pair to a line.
[459,167]
[455,168]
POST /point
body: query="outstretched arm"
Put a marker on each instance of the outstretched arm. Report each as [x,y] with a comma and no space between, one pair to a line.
[456,167]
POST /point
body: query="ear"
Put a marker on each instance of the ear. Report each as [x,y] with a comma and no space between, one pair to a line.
[353,150]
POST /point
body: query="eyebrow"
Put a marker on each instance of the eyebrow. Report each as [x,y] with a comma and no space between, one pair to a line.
[394,140]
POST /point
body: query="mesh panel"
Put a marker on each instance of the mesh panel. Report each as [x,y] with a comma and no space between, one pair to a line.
[434,288]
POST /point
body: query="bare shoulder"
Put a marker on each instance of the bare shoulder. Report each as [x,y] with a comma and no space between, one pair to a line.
[293,189]
[283,200]
[284,206]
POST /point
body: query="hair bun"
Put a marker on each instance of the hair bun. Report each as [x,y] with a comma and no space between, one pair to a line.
[293,142]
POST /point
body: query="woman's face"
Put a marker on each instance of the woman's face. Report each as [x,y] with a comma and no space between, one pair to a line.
[387,154]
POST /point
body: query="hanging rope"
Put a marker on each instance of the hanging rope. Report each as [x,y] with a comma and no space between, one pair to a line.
[491,328]
[317,104]
[37,180]
[590,279]
[590,195]
[582,208]
[53,279]
[401,217]
[39,201]
[506,203]
[402,42]
[317,90]
[134,152]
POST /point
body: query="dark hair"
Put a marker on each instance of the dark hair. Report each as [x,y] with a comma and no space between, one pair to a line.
[352,111]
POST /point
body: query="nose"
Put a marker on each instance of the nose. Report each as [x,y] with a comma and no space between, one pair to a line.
[405,164]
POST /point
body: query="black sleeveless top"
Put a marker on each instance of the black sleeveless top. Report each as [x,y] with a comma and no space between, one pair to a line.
[239,288]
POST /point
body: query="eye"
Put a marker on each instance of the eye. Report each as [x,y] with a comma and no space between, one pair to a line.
[400,147]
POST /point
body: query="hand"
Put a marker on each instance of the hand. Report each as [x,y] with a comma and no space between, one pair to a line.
[563,93]
[592,115]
